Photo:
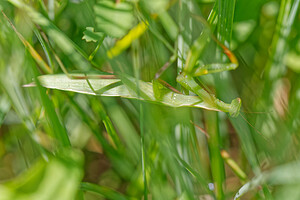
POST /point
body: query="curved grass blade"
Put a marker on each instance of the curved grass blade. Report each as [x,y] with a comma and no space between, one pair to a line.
[45,48]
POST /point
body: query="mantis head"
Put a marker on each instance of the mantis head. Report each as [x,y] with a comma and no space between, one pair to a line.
[235,107]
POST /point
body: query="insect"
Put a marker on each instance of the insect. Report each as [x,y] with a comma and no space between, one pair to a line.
[186,79]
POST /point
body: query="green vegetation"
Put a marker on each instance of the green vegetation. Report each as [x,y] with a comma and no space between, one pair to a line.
[149,99]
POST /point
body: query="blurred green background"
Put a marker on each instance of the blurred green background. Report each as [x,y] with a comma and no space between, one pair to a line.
[57,144]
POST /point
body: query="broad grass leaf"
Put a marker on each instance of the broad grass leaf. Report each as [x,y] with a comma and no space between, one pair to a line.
[114,19]
[57,179]
[154,6]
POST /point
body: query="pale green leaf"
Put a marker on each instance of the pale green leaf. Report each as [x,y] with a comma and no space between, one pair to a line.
[154,6]
[114,19]
[91,36]
[57,179]
[63,82]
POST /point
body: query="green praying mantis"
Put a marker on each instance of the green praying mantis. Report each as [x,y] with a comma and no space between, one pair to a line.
[186,78]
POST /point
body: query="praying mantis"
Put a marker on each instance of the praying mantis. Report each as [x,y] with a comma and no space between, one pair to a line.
[186,78]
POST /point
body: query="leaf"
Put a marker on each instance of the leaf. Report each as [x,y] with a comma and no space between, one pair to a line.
[287,174]
[103,191]
[62,82]
[57,179]
[114,19]
[154,6]
[91,36]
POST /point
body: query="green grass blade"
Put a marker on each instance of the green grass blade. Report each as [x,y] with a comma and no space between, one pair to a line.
[72,50]
[169,25]
[17,99]
[287,13]
[4,107]
[216,161]
[59,130]
[56,179]
[137,72]
[233,165]
[225,87]
[225,20]
[45,48]
[213,16]
[102,191]
[32,51]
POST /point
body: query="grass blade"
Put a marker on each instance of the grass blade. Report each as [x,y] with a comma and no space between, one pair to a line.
[286,18]
[102,191]
[60,39]
[225,16]
[216,161]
